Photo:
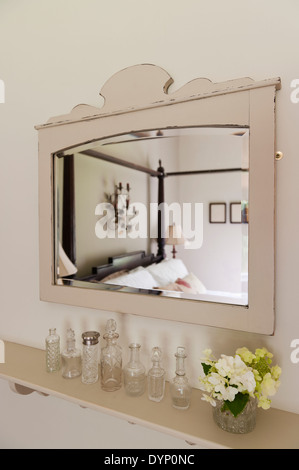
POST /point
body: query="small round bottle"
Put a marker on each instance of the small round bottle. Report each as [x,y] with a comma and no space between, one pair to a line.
[111,359]
[90,357]
[52,351]
[179,388]
[134,373]
[156,377]
[71,357]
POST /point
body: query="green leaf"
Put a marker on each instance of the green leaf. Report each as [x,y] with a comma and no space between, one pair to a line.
[206,368]
[238,405]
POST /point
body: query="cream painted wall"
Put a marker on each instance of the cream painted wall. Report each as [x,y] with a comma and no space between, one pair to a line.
[94,179]
[55,55]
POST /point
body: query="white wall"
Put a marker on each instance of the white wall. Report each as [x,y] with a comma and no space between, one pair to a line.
[55,55]
[93,179]
[217,263]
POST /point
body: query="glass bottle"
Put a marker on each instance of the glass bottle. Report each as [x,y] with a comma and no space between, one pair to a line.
[111,359]
[156,377]
[90,357]
[134,373]
[71,357]
[52,351]
[179,388]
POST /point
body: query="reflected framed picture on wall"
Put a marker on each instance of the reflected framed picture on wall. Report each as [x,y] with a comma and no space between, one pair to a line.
[217,213]
[235,213]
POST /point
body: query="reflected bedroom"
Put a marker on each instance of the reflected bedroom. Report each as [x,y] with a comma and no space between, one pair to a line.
[159,212]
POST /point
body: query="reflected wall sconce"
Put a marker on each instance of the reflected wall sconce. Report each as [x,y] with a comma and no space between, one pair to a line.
[120,199]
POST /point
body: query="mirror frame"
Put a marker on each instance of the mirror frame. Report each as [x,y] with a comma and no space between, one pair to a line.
[137,99]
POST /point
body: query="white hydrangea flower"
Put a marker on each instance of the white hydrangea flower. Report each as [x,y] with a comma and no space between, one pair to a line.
[269,386]
[216,379]
[225,365]
[245,355]
[205,385]
[264,403]
[207,353]
[227,393]
[245,381]
[228,376]
[209,399]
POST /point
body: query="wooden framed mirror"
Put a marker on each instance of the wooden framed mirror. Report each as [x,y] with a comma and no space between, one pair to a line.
[125,193]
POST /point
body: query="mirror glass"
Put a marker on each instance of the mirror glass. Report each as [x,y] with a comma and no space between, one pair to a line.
[158,212]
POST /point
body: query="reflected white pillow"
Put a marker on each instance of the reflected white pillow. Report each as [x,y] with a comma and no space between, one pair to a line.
[167,271]
[141,279]
[195,284]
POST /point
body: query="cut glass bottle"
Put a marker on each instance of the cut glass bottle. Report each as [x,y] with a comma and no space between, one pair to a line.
[90,357]
[111,359]
[53,351]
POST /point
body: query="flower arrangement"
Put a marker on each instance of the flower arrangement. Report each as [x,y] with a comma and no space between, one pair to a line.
[234,379]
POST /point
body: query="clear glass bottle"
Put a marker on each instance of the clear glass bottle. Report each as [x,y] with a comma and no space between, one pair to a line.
[111,359]
[156,377]
[52,351]
[134,373]
[71,357]
[90,357]
[179,388]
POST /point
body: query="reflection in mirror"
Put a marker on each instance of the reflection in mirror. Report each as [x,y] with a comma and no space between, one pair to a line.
[161,212]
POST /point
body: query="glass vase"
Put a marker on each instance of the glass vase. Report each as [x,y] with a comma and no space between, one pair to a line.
[242,423]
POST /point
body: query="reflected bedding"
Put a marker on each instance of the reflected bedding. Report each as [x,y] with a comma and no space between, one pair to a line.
[168,275]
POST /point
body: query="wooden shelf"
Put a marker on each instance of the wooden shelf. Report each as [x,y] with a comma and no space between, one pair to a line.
[25,366]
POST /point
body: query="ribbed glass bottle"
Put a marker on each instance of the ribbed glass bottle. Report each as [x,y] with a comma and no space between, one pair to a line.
[111,359]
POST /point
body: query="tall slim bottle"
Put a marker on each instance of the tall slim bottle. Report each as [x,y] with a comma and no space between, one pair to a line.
[179,388]
[111,359]
[52,351]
